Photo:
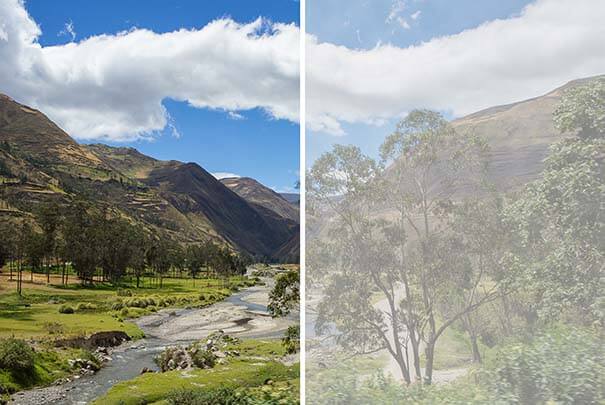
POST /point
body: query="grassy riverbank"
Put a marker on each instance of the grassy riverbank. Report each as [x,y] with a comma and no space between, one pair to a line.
[256,372]
[45,313]
[42,310]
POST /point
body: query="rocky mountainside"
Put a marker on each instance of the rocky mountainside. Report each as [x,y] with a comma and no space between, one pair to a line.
[255,193]
[40,162]
[293,198]
[518,135]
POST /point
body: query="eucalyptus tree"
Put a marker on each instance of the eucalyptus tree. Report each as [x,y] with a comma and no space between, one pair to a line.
[391,233]
[354,262]
[49,219]
[82,239]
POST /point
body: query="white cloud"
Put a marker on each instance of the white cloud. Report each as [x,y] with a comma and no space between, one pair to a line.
[416,15]
[224,175]
[236,116]
[549,43]
[69,30]
[397,9]
[112,86]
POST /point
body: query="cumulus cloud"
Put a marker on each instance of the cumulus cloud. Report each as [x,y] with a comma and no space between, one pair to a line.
[549,43]
[224,175]
[112,86]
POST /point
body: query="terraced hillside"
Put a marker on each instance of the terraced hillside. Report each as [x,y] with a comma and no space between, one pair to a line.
[40,162]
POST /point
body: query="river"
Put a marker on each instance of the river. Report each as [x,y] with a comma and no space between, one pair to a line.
[243,314]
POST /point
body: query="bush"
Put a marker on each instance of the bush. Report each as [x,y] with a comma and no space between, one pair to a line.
[214,396]
[54,328]
[66,309]
[137,303]
[291,339]
[203,359]
[121,292]
[117,306]
[16,356]
[124,312]
[83,306]
[562,366]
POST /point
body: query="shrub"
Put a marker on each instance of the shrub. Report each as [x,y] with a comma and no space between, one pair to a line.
[117,306]
[562,366]
[202,297]
[83,306]
[16,356]
[203,359]
[121,292]
[137,303]
[124,312]
[214,396]
[291,339]
[54,328]
[66,309]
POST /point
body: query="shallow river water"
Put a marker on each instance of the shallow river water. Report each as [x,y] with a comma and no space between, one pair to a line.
[243,314]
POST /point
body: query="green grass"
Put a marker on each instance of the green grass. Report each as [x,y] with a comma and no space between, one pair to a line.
[29,316]
[255,366]
[50,365]
[453,350]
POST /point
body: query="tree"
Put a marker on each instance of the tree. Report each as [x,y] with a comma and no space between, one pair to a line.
[48,217]
[140,247]
[559,219]
[412,259]
[285,295]
[582,110]
[82,242]
[117,243]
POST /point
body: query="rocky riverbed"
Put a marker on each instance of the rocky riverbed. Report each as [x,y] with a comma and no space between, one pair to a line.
[243,315]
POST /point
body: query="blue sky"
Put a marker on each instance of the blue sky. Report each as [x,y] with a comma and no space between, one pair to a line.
[255,145]
[364,24]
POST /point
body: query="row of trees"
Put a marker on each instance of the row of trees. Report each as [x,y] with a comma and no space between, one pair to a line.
[99,243]
[451,250]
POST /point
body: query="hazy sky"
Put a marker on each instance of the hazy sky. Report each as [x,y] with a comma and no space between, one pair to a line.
[371,62]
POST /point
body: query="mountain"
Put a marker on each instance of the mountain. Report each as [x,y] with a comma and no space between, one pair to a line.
[40,162]
[292,198]
[289,252]
[518,135]
[255,193]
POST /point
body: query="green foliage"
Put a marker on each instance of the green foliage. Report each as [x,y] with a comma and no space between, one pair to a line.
[66,309]
[291,339]
[268,395]
[16,356]
[203,359]
[285,294]
[564,366]
[582,109]
[215,396]
[123,292]
[558,220]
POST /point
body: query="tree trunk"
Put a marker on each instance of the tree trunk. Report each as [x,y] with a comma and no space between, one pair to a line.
[416,355]
[405,372]
[475,349]
[430,358]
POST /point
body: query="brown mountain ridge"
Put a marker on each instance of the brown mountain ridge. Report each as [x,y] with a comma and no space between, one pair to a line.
[40,162]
